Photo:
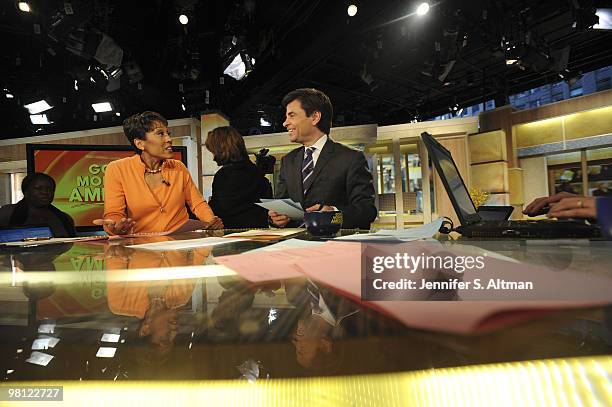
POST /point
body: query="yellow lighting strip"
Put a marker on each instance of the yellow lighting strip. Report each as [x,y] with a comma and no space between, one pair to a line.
[560,382]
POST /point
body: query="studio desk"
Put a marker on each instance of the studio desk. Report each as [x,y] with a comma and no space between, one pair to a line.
[184,330]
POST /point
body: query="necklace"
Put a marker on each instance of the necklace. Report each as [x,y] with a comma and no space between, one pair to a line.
[148,171]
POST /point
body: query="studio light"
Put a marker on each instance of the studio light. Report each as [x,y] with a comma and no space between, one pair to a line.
[38,107]
[351,10]
[264,123]
[183,19]
[422,9]
[102,107]
[511,61]
[24,6]
[39,119]
[240,66]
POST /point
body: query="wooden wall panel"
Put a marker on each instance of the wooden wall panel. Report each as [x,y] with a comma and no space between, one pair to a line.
[542,132]
[491,177]
[488,147]
[591,123]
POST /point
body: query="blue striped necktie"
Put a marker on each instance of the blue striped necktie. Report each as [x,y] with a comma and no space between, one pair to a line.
[307,169]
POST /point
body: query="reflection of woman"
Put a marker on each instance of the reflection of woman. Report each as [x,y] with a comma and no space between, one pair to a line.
[238,183]
[35,208]
[148,192]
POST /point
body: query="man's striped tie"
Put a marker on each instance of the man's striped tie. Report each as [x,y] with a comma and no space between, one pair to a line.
[307,169]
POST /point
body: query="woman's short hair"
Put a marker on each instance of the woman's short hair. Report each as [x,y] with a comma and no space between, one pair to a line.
[30,178]
[226,145]
[136,126]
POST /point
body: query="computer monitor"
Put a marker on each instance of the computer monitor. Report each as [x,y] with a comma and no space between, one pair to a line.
[451,179]
[78,171]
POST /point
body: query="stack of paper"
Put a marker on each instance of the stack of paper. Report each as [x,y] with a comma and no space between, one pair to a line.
[266,234]
[285,206]
[396,236]
[185,244]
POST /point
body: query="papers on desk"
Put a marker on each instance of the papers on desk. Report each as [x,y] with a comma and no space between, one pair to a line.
[288,244]
[266,234]
[285,206]
[186,244]
[53,240]
[338,265]
[396,236]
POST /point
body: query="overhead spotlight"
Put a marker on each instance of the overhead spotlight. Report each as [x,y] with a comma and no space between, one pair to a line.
[118,114]
[183,19]
[76,85]
[24,6]
[351,10]
[240,66]
[39,119]
[183,107]
[511,61]
[264,123]
[102,107]
[38,107]
[422,9]
[9,96]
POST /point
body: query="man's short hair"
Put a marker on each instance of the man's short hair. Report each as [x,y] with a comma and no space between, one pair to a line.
[136,126]
[313,100]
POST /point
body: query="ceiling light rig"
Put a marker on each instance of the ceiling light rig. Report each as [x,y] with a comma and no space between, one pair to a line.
[352,10]
[422,9]
[183,19]
[24,6]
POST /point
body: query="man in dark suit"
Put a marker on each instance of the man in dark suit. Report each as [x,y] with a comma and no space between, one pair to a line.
[322,174]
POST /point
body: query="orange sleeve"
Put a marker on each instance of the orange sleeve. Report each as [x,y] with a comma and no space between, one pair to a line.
[115,207]
[194,199]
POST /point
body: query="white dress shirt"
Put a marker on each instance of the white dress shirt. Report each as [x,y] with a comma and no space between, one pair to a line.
[318,147]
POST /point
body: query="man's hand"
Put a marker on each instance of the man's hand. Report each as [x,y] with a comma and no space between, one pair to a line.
[124,226]
[214,223]
[278,219]
[538,206]
[574,207]
[319,207]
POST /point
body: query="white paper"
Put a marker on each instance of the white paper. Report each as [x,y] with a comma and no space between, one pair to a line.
[288,244]
[267,232]
[186,244]
[39,358]
[40,344]
[55,240]
[46,328]
[114,338]
[283,206]
[397,236]
[113,330]
[105,352]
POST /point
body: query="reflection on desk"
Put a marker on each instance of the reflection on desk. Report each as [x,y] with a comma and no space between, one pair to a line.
[208,327]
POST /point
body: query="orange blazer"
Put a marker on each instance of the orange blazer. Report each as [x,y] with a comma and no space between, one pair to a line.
[127,195]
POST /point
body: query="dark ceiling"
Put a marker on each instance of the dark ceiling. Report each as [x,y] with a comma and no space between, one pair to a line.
[385,65]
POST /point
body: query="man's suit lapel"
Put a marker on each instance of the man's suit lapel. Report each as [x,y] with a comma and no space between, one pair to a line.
[326,155]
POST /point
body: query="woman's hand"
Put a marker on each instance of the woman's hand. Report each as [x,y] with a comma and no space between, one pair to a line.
[214,223]
[124,226]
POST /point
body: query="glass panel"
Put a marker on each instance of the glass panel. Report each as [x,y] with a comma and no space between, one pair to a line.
[386,178]
[600,179]
[568,179]
[412,183]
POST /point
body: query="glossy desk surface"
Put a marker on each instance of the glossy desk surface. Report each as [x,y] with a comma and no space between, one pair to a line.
[216,326]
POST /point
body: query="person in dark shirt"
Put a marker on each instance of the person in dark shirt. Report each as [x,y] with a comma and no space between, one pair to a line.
[35,208]
[238,184]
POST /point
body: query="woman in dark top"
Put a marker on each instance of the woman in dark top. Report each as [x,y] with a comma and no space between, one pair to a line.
[238,183]
[35,208]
